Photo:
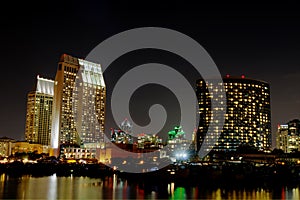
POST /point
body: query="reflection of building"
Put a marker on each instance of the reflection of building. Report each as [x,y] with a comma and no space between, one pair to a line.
[79,103]
[288,136]
[6,146]
[248,115]
[39,111]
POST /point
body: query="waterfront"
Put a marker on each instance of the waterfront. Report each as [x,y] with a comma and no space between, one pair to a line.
[113,187]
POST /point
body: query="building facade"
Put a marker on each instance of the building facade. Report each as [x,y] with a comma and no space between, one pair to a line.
[39,112]
[179,148]
[79,103]
[102,155]
[247,118]
[6,146]
[26,147]
[288,136]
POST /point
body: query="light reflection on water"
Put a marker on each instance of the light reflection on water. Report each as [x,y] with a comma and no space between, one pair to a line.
[53,187]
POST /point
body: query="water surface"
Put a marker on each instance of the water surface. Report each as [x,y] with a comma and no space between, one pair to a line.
[112,187]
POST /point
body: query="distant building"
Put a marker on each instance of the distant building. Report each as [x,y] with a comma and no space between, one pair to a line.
[247,118]
[126,126]
[141,144]
[288,136]
[119,136]
[179,147]
[149,142]
[6,146]
[39,112]
[79,104]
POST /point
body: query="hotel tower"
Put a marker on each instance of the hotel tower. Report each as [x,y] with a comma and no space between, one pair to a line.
[39,111]
[247,117]
[78,105]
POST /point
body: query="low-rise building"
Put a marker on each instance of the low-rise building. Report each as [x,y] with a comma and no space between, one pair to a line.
[6,146]
[98,151]
[26,147]
[179,146]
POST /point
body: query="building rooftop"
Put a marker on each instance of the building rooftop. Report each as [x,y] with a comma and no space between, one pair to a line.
[7,138]
[45,86]
[69,59]
[242,77]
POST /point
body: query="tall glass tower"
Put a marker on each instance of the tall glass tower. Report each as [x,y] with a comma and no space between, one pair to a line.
[247,118]
[79,103]
[39,112]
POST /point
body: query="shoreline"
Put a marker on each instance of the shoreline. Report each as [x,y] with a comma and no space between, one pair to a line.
[228,173]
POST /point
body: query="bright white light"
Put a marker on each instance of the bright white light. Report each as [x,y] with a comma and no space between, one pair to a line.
[181,155]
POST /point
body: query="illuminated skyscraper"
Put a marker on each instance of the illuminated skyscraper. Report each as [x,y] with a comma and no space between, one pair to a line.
[39,112]
[288,136]
[79,103]
[247,118]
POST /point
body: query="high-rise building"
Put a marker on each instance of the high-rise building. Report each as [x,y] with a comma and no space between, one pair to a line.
[288,136]
[39,112]
[247,118]
[79,103]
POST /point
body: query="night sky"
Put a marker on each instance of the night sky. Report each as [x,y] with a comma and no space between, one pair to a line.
[261,41]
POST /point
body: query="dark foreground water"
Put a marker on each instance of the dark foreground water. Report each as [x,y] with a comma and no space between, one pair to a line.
[112,187]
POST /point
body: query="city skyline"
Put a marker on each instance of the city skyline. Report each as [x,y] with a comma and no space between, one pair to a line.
[67,63]
[262,45]
[105,99]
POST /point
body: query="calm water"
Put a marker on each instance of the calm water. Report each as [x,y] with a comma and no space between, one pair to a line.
[53,187]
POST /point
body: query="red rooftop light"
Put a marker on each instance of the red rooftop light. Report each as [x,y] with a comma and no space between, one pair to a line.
[243,76]
[227,75]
